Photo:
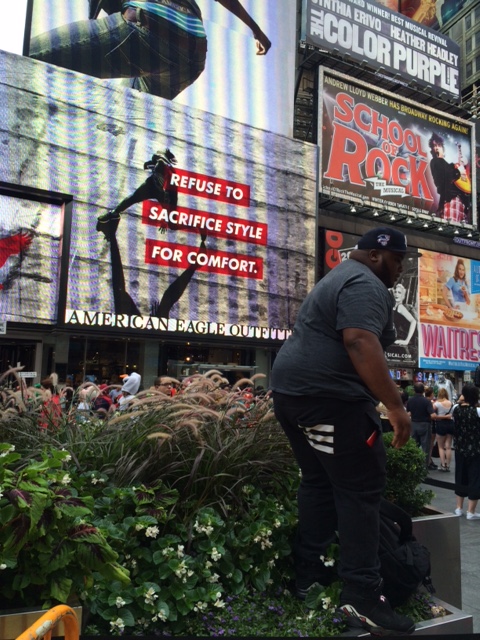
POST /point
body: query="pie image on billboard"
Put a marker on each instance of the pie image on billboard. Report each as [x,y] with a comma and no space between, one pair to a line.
[453,314]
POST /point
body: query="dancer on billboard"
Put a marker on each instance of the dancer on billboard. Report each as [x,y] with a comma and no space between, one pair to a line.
[158,186]
[161,45]
[452,182]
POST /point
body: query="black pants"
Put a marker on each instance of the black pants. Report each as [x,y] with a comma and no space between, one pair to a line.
[343,479]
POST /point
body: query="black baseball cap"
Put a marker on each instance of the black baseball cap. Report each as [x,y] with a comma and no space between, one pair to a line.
[385,238]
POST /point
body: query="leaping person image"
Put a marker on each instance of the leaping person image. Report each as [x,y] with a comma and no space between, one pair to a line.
[158,186]
[161,45]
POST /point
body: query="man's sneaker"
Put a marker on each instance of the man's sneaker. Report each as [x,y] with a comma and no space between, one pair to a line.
[369,609]
[473,516]
[458,512]
[110,215]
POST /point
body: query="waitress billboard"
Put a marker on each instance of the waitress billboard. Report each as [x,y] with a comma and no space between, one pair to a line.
[449,294]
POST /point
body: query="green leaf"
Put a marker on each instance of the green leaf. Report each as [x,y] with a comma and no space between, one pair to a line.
[7,513]
[60,589]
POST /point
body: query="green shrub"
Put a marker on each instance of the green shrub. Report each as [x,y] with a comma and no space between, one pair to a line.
[406,470]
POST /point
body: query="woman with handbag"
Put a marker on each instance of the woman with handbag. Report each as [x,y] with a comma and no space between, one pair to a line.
[444,428]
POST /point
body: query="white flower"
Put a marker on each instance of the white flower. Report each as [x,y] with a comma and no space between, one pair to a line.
[219,603]
[94,480]
[277,523]
[167,551]
[180,549]
[117,624]
[152,532]
[2,567]
[150,596]
[215,554]
[139,526]
[181,570]
[208,564]
[1,493]
[7,451]
[328,562]
[327,601]
[120,602]
[200,606]
[66,479]
[214,578]
[162,615]
[68,457]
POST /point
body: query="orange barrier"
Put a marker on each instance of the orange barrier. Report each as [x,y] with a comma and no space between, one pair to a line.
[44,626]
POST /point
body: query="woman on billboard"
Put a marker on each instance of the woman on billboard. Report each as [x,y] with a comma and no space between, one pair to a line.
[160,44]
[455,291]
[405,323]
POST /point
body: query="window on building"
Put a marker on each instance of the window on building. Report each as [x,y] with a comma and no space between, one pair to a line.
[477,14]
[468,70]
[477,40]
[477,64]
[468,45]
[468,22]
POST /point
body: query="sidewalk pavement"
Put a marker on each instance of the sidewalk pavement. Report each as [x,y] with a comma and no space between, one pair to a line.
[442,484]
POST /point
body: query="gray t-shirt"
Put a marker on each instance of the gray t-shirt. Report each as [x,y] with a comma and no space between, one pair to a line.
[313,361]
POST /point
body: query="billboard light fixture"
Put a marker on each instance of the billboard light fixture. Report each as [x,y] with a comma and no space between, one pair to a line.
[469,234]
[425,224]
[456,232]
[392,217]
[353,209]
[409,221]
[376,214]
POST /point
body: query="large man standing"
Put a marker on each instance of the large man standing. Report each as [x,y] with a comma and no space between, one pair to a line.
[326,381]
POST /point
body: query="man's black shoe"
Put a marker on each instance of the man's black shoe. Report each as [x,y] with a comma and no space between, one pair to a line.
[369,609]
[432,466]
[110,215]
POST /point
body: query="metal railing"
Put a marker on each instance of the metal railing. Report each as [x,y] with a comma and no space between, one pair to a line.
[44,626]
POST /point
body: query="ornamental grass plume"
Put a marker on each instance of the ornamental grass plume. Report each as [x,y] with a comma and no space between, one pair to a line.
[204,441]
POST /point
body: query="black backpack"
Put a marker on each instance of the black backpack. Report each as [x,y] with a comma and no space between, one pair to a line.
[405,563]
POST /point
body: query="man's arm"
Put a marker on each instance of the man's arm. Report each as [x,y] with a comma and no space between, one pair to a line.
[234,6]
[366,354]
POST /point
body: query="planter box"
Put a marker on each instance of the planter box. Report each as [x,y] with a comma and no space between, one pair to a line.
[15,622]
[454,623]
[440,533]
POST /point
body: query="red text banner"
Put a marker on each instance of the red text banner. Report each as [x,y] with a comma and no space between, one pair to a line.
[181,256]
[198,184]
[185,219]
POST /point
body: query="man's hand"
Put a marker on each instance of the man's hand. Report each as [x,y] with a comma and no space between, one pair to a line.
[402,424]
[262,43]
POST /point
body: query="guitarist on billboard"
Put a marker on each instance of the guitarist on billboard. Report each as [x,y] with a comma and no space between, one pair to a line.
[452,183]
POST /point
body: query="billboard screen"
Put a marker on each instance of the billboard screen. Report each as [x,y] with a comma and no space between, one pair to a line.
[449,294]
[434,13]
[30,251]
[372,34]
[404,351]
[231,58]
[387,152]
[181,221]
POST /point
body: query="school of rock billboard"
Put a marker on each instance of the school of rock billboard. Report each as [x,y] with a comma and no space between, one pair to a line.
[404,351]
[372,34]
[161,48]
[182,221]
[449,296]
[386,152]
